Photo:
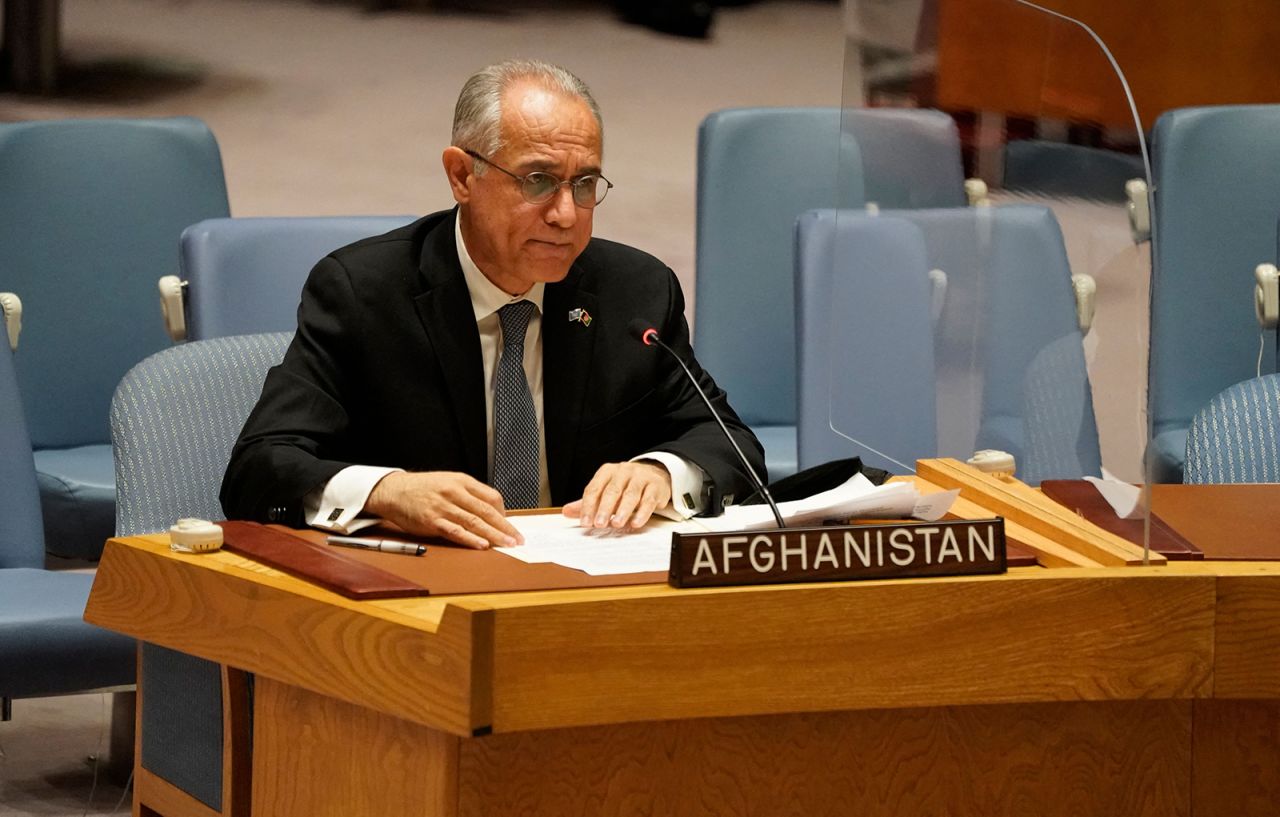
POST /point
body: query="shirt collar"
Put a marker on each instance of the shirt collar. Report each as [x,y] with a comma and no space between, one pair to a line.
[486,297]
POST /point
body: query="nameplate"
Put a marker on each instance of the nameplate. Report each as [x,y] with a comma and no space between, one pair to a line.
[838,553]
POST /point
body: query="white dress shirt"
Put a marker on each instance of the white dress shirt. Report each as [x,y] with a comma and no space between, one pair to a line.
[339,503]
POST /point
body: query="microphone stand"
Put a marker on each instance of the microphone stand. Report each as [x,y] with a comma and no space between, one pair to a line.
[649,337]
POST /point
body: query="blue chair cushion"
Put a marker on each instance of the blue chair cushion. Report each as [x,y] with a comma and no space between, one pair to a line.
[77,499]
[46,647]
[779,450]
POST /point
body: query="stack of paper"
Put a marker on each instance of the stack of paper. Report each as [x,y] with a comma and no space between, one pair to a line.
[596,551]
[559,540]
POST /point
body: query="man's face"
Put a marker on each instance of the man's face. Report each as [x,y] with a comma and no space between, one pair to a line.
[515,243]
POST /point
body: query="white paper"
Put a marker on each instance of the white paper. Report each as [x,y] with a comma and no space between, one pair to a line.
[932,507]
[1124,499]
[599,552]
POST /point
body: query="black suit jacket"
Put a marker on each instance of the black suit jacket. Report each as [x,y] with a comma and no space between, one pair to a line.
[386,369]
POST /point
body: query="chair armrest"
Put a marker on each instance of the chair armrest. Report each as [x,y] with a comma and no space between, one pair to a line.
[11,307]
[1085,290]
[173,307]
[1266,295]
[1139,206]
[975,190]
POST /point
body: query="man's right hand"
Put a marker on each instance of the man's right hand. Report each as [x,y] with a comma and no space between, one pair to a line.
[455,506]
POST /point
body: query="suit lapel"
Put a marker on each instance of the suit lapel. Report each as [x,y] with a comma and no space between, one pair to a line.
[448,319]
[566,362]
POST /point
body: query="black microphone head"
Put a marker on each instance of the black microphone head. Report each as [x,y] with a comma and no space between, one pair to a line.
[640,329]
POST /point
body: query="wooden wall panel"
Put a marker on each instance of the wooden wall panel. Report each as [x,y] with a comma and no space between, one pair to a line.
[995,55]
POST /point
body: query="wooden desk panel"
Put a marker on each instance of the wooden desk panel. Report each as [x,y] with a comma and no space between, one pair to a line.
[1236,522]
[1049,760]
[228,609]
[1030,636]
[517,661]
[1236,758]
[1247,649]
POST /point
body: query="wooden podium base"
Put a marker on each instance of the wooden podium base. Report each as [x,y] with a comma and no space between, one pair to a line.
[319,757]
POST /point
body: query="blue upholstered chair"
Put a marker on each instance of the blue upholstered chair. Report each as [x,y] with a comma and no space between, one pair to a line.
[1236,436]
[46,648]
[174,419]
[758,169]
[90,214]
[245,275]
[1217,196]
[1000,365]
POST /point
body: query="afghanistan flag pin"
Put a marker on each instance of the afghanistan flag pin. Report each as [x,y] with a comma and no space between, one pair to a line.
[580,315]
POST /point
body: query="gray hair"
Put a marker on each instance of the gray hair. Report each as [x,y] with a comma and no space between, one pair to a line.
[477,116]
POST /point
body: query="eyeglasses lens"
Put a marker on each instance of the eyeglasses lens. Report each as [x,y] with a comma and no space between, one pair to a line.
[587,191]
[539,187]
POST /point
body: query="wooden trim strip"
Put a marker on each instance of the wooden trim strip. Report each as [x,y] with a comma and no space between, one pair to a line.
[1020,503]
[155,795]
[1049,552]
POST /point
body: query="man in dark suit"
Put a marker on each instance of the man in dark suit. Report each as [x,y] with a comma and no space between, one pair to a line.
[489,346]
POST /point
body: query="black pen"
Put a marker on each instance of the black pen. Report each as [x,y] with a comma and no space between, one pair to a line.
[384,545]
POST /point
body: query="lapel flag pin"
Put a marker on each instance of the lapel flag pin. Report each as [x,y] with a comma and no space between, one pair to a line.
[580,315]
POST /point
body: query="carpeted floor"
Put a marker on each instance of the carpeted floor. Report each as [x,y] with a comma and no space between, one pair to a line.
[323,108]
[47,758]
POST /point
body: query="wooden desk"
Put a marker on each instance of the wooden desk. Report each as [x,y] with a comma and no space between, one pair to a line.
[1049,692]
[994,55]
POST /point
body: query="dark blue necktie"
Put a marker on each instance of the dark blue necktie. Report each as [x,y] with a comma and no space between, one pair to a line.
[515,425]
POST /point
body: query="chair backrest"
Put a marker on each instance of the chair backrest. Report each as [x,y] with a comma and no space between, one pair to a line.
[245,275]
[174,419]
[21,528]
[865,352]
[1059,169]
[758,169]
[1217,196]
[1007,368]
[1236,436]
[90,214]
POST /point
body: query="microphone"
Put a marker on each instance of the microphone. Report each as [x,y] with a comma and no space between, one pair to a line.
[647,335]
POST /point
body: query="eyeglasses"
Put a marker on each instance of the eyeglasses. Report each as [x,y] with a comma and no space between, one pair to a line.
[538,187]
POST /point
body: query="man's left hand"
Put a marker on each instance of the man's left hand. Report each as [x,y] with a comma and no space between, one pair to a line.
[622,495]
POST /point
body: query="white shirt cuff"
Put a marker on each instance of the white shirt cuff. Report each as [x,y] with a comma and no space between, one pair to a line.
[687,481]
[336,505]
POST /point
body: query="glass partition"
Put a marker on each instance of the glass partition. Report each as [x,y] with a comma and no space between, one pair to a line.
[982,285]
